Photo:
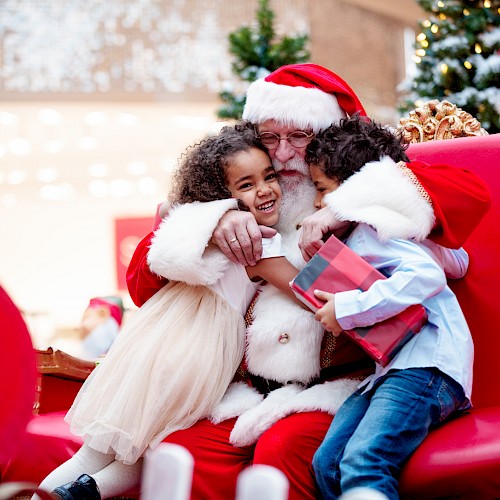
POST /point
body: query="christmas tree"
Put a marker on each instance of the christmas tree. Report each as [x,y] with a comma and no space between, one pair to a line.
[257,53]
[458,58]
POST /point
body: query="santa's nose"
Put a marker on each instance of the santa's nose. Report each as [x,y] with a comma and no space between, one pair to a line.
[284,152]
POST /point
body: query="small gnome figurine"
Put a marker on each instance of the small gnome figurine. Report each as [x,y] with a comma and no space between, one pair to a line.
[100,325]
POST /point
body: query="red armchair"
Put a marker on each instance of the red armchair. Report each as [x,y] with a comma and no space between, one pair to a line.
[460,460]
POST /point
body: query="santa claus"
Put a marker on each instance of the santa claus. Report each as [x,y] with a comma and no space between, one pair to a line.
[295,375]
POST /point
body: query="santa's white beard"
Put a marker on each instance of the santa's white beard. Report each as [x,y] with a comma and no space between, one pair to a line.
[298,195]
[295,164]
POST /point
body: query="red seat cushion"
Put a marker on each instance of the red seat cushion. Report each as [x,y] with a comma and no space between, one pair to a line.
[46,444]
[459,460]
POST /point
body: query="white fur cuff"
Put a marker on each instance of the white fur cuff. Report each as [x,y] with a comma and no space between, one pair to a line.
[179,249]
[381,195]
[239,398]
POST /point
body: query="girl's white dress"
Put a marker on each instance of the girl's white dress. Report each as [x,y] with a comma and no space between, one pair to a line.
[175,357]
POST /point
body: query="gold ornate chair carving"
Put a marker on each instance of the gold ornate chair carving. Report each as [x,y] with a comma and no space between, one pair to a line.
[436,120]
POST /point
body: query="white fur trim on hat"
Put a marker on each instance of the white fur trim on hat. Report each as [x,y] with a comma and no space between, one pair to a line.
[381,195]
[179,248]
[300,107]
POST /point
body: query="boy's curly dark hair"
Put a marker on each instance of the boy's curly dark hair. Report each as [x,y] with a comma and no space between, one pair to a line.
[341,150]
[201,175]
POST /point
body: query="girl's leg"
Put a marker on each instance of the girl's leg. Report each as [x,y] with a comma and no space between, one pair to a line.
[327,459]
[403,407]
[85,461]
[289,445]
[118,478]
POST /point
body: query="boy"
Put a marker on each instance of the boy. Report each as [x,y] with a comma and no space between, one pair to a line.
[382,423]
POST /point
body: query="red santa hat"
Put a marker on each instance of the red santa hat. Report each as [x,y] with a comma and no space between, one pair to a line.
[306,96]
[112,303]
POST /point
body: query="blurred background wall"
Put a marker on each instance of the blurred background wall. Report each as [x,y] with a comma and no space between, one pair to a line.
[99,99]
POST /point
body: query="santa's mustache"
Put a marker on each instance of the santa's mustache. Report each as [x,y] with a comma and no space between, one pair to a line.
[295,164]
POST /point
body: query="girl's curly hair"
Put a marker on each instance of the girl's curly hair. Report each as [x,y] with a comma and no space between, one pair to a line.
[341,150]
[201,175]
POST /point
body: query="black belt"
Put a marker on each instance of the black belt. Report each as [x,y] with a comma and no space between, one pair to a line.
[265,386]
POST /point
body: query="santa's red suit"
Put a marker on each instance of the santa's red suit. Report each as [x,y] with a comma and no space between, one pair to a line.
[307,374]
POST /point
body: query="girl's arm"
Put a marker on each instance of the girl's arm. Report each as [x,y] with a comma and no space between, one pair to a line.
[278,271]
[453,261]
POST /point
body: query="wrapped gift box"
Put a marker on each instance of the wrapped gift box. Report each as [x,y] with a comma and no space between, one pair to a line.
[337,268]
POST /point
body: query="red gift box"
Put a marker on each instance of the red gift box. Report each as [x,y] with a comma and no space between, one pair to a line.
[337,268]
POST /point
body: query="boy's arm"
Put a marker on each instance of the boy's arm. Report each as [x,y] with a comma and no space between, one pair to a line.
[413,279]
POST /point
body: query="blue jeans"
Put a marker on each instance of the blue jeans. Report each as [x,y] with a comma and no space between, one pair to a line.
[372,434]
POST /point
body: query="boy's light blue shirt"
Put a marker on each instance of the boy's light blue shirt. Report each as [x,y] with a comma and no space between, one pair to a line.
[414,277]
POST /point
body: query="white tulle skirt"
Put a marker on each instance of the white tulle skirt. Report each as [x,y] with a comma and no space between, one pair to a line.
[170,365]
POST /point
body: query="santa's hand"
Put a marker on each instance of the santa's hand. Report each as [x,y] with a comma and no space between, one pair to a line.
[253,423]
[239,237]
[326,315]
[239,398]
[314,228]
[327,397]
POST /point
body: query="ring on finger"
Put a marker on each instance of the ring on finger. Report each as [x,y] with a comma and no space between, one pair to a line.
[232,240]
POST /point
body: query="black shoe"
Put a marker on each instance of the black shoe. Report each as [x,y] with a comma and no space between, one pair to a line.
[84,488]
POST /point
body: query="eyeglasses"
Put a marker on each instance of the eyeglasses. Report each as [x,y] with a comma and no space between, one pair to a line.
[297,139]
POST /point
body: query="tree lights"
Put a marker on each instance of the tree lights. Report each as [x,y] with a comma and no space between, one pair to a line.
[458,56]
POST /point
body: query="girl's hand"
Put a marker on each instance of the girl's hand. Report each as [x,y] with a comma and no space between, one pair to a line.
[326,315]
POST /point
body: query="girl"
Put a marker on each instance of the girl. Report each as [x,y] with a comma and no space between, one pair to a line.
[176,356]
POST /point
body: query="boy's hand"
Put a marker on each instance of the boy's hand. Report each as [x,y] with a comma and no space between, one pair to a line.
[326,315]
[240,238]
